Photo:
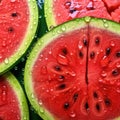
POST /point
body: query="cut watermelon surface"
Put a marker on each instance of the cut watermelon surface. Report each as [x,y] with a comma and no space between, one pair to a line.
[13,105]
[59,11]
[18,23]
[73,72]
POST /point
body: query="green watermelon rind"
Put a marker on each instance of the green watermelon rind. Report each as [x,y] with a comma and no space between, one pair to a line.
[49,15]
[19,94]
[75,24]
[29,36]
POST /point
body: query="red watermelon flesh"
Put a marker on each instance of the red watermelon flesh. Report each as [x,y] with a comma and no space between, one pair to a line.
[9,105]
[14,19]
[64,10]
[112,4]
[77,75]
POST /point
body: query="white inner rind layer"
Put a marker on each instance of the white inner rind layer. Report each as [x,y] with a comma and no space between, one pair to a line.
[73,25]
[19,95]
[29,35]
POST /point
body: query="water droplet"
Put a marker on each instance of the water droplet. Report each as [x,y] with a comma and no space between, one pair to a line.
[72,114]
[13,0]
[90,6]
[104,62]
[6,61]
[44,70]
[112,43]
[67,4]
[87,19]
[41,110]
[63,28]
[103,74]
[118,65]
[4,93]
[40,102]
[106,25]
[118,90]
[62,59]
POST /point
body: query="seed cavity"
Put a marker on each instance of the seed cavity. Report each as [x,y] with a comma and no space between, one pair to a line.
[97,41]
[118,54]
[66,105]
[75,97]
[107,102]
[95,95]
[62,86]
[108,50]
[61,77]
[80,54]
[85,42]
[72,10]
[64,51]
[86,106]
[98,107]
[10,29]
[92,54]
[14,14]
[57,68]
[115,72]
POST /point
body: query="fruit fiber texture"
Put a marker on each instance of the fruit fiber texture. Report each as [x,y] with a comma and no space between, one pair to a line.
[73,72]
[60,11]
[18,24]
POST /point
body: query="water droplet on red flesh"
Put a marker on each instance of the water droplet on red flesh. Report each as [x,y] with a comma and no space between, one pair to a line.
[13,26]
[84,81]
[9,106]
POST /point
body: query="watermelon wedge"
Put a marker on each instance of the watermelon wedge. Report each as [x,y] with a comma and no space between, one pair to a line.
[18,24]
[13,105]
[60,11]
[73,72]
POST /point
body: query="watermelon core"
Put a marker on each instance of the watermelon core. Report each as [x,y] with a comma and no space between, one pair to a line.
[15,20]
[74,71]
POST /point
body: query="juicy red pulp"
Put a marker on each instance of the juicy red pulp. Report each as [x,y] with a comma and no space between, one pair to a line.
[14,19]
[108,9]
[77,76]
[9,105]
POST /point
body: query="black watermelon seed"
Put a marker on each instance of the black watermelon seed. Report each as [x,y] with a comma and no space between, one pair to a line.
[66,105]
[108,50]
[72,10]
[57,68]
[98,107]
[86,106]
[62,86]
[65,51]
[10,29]
[107,102]
[75,96]
[95,95]
[92,54]
[85,42]
[118,54]
[115,72]
[14,14]
[80,54]
[97,41]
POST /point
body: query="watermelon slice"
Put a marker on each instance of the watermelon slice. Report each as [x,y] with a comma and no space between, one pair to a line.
[18,23]
[73,72]
[13,105]
[60,11]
